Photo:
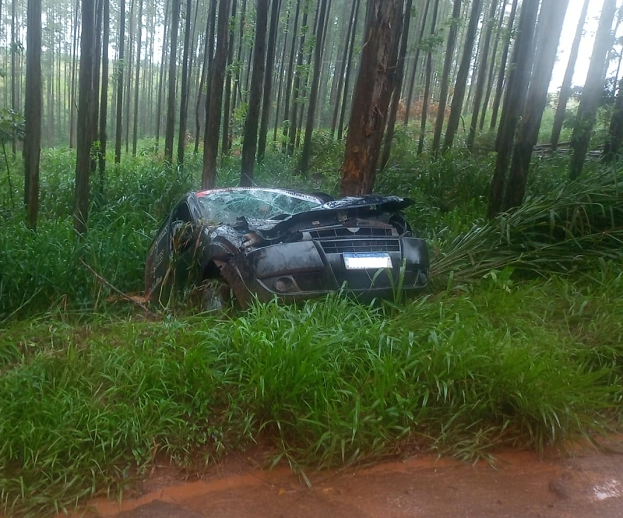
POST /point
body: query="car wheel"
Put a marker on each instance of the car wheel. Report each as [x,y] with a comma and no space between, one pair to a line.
[215,296]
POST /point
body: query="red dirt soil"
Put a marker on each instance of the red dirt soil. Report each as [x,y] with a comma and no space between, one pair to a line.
[586,483]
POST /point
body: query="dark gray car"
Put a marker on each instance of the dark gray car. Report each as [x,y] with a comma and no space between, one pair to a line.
[265,242]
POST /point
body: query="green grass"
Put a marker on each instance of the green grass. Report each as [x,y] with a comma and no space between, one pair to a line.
[520,343]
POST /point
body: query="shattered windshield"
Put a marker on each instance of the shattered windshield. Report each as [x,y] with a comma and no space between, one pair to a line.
[226,205]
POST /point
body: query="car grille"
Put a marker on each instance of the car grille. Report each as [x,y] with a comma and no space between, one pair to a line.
[360,245]
[346,232]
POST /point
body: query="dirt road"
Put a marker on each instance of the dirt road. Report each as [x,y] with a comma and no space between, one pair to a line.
[521,485]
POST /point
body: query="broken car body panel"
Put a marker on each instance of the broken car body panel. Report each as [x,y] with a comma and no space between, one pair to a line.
[267,242]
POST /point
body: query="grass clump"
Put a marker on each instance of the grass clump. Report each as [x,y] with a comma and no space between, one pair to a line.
[86,408]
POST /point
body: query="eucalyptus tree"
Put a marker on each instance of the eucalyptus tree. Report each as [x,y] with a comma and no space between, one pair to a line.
[549,28]
[593,89]
[347,75]
[416,58]
[103,119]
[139,42]
[249,144]
[461,78]
[565,89]
[445,75]
[499,89]
[32,112]
[185,86]
[84,127]
[213,112]
[119,78]
[170,125]
[514,100]
[482,75]
[371,96]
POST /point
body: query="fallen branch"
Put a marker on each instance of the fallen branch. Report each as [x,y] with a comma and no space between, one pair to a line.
[118,291]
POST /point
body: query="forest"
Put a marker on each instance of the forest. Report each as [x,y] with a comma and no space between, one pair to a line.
[110,111]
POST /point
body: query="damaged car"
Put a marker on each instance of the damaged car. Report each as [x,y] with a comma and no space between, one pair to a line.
[264,242]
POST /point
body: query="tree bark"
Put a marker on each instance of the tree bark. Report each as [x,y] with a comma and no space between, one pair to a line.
[482,76]
[170,126]
[593,88]
[181,135]
[85,111]
[225,146]
[461,79]
[249,144]
[268,78]
[313,94]
[120,70]
[349,68]
[549,28]
[104,98]
[139,43]
[371,96]
[400,72]
[213,113]
[565,89]
[32,112]
[514,101]
[445,75]
[415,63]
[615,129]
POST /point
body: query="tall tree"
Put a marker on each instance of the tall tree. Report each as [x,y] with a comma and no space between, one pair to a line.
[400,72]
[181,136]
[482,75]
[249,143]
[104,96]
[549,28]
[313,95]
[565,89]
[445,75]
[614,139]
[428,78]
[170,126]
[139,44]
[228,84]
[268,78]
[120,70]
[593,88]
[32,112]
[14,50]
[461,78]
[416,59]
[85,111]
[213,112]
[499,89]
[371,96]
[513,102]
[349,69]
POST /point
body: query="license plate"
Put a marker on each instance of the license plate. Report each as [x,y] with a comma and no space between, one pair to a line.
[364,261]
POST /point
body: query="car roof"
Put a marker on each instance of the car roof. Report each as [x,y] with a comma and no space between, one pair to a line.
[289,192]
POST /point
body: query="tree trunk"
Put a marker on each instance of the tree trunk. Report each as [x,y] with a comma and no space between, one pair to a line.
[139,43]
[120,70]
[85,130]
[502,72]
[415,63]
[461,78]
[445,75]
[349,68]
[213,113]
[249,144]
[72,94]
[593,88]
[482,76]
[228,80]
[281,74]
[286,109]
[549,28]
[313,94]
[162,69]
[615,130]
[104,97]
[208,52]
[170,126]
[565,89]
[14,51]
[494,52]
[181,135]
[371,96]
[400,72]
[428,79]
[514,101]
[293,126]
[32,112]
[268,78]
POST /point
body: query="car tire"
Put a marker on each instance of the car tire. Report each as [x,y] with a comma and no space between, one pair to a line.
[215,296]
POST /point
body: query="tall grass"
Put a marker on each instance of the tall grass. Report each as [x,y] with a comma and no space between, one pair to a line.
[87,408]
